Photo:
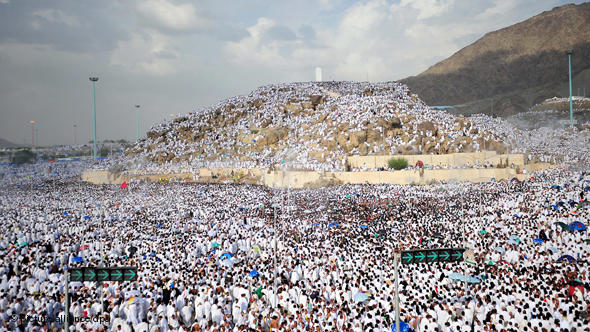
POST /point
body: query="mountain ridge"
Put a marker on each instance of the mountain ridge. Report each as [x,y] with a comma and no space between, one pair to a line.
[508,62]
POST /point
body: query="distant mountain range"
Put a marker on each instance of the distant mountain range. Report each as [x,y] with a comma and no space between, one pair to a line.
[509,70]
[7,144]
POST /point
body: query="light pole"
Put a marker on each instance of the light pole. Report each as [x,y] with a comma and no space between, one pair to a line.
[32,134]
[93,80]
[569,59]
[137,113]
[74,134]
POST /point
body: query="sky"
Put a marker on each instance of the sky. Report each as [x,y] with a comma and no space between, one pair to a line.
[176,56]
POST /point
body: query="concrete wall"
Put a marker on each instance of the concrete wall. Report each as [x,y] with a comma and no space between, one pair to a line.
[457,159]
[102,177]
[300,179]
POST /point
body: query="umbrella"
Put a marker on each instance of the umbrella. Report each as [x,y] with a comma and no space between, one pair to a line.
[568,257]
[437,235]
[538,241]
[22,244]
[65,214]
[315,224]
[553,250]
[215,245]
[514,238]
[227,255]
[86,217]
[77,259]
[500,250]
[307,211]
[334,224]
[460,277]
[253,273]
[360,297]
[227,263]
[577,226]
[403,327]
[258,292]
[563,225]
[555,207]
[364,226]
[483,231]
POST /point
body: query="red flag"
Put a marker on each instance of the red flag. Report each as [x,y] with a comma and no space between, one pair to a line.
[124,185]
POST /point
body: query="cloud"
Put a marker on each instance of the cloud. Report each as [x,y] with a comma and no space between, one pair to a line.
[168,16]
[149,53]
[57,16]
[428,8]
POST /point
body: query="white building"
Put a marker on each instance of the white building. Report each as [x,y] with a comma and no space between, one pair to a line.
[318,74]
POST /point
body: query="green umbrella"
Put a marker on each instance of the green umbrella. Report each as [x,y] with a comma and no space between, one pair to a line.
[483,231]
[563,226]
[258,292]
[215,245]
[22,244]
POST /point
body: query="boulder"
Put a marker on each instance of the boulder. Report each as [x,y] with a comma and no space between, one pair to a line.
[316,100]
[427,126]
[358,138]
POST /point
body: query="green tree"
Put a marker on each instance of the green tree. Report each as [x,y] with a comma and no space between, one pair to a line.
[24,157]
[103,152]
[397,163]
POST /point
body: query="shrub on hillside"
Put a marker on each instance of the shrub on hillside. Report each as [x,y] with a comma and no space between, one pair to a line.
[397,163]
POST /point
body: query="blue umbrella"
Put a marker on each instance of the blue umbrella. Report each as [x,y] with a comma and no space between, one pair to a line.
[577,226]
[64,214]
[227,262]
[403,327]
[587,189]
[500,250]
[554,250]
[460,277]
[334,224]
[360,297]
[159,225]
[568,257]
[253,273]
[516,216]
[315,224]
[364,226]
[538,241]
[77,259]
[86,217]
[227,255]
[555,207]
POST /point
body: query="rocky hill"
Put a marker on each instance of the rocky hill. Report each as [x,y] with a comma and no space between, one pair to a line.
[512,69]
[313,126]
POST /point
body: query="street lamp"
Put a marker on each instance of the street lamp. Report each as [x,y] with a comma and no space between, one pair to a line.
[74,134]
[137,113]
[32,134]
[569,58]
[93,80]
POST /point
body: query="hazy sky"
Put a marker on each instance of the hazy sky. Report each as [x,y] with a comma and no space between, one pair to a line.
[173,56]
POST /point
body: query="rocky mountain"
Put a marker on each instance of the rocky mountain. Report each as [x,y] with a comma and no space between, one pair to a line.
[313,126]
[509,70]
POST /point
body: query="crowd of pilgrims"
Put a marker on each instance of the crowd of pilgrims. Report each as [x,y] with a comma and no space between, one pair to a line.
[216,257]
